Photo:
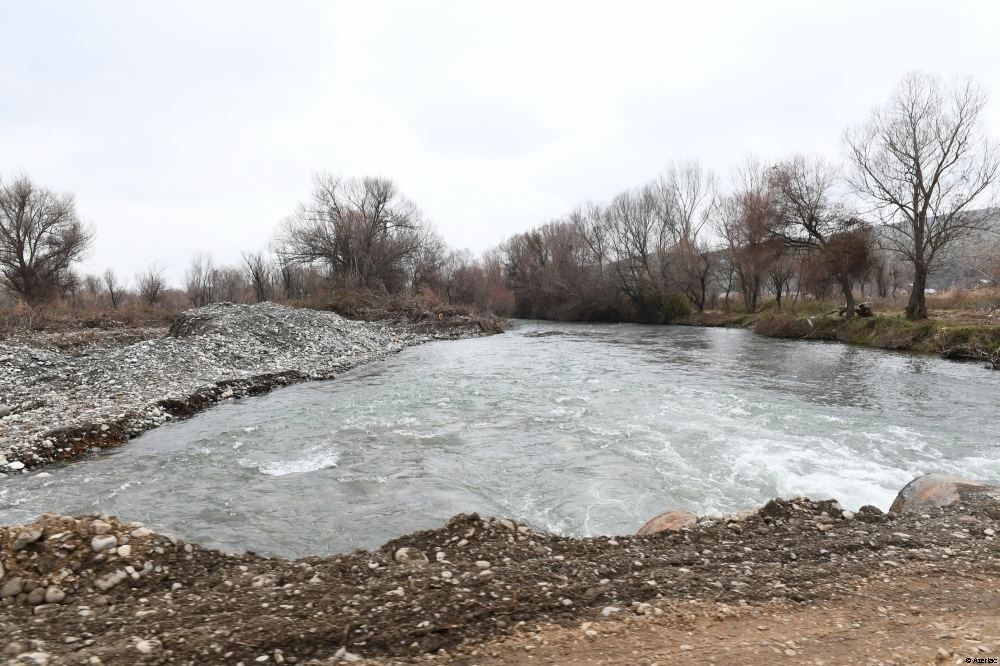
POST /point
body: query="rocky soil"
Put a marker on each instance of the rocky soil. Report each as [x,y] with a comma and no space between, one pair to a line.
[61,395]
[92,590]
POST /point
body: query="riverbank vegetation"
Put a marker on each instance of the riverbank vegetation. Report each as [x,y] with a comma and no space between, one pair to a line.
[909,214]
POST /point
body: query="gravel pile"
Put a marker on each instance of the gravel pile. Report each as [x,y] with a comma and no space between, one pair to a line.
[56,404]
[93,590]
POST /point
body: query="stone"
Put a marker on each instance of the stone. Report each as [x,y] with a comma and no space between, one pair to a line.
[36,596]
[106,582]
[11,588]
[408,555]
[343,655]
[101,543]
[54,595]
[100,527]
[937,490]
[124,551]
[4,411]
[26,537]
[668,521]
[482,564]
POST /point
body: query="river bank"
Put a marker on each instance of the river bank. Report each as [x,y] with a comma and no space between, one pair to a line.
[491,591]
[957,340]
[63,394]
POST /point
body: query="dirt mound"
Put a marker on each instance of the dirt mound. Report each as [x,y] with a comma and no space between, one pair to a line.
[123,595]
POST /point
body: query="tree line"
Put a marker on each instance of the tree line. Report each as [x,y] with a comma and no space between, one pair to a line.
[914,192]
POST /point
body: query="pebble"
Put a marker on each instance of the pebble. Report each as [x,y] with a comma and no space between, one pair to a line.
[105,583]
[343,655]
[101,543]
[25,538]
[11,588]
[54,595]
[408,555]
[99,527]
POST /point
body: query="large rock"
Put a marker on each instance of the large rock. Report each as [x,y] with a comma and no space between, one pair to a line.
[934,490]
[670,520]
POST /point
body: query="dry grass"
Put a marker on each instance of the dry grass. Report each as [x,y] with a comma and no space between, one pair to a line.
[62,317]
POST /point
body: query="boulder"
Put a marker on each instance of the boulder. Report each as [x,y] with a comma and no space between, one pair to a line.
[670,520]
[936,490]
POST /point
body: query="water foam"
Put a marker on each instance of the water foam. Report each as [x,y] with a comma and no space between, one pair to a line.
[321,458]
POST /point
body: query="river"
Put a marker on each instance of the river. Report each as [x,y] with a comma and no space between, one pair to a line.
[579,429]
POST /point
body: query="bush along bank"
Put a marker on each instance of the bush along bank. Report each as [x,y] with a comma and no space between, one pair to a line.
[968,342]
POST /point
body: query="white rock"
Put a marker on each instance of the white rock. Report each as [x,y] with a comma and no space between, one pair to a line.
[101,543]
[105,583]
[343,655]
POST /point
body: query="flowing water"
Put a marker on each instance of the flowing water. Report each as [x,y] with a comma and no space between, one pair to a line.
[579,429]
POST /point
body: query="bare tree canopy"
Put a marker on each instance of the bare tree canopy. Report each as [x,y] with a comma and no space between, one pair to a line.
[365,231]
[259,273]
[926,165]
[40,238]
[808,219]
[687,195]
[114,286]
[151,284]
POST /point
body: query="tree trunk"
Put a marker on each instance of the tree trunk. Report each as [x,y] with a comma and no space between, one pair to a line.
[845,288]
[916,307]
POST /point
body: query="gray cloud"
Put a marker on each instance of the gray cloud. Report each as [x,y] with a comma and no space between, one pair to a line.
[185,126]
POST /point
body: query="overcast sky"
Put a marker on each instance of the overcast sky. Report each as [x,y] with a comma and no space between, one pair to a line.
[186,126]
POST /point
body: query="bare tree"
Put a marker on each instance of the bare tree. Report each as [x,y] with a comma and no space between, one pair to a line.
[40,238]
[259,274]
[924,161]
[150,283]
[744,220]
[697,266]
[92,284]
[200,279]
[231,285]
[687,195]
[809,220]
[114,287]
[634,230]
[780,272]
[364,231]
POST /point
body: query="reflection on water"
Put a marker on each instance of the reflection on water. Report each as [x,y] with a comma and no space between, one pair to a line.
[579,429]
